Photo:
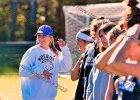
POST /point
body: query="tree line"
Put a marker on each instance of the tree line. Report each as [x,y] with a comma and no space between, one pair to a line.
[19,19]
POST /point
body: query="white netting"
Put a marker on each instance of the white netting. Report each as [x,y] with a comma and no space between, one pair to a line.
[76,18]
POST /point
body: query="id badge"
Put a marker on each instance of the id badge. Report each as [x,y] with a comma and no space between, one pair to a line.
[129,86]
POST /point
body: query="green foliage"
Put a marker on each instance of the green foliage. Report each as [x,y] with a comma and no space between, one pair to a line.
[28,19]
[5,18]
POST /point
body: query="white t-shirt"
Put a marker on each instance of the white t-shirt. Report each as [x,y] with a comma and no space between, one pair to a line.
[33,63]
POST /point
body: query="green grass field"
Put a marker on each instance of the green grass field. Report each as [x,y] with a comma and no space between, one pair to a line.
[10,88]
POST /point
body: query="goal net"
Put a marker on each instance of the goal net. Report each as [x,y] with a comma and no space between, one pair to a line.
[77,17]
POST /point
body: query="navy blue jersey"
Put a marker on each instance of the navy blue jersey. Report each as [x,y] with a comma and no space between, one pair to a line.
[84,72]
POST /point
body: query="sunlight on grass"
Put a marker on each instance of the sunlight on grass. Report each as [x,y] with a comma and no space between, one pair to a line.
[10,88]
[70,86]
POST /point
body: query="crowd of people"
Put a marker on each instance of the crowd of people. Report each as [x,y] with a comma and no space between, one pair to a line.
[108,68]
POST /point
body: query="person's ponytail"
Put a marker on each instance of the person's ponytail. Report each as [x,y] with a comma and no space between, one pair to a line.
[52,46]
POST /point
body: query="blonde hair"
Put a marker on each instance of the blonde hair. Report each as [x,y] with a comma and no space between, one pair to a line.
[52,46]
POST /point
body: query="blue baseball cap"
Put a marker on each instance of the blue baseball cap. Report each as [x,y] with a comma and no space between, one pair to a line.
[45,30]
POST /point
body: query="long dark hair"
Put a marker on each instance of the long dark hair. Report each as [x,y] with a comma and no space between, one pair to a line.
[132,16]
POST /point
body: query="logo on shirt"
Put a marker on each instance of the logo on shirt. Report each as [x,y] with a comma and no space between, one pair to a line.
[89,61]
[45,58]
[48,61]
